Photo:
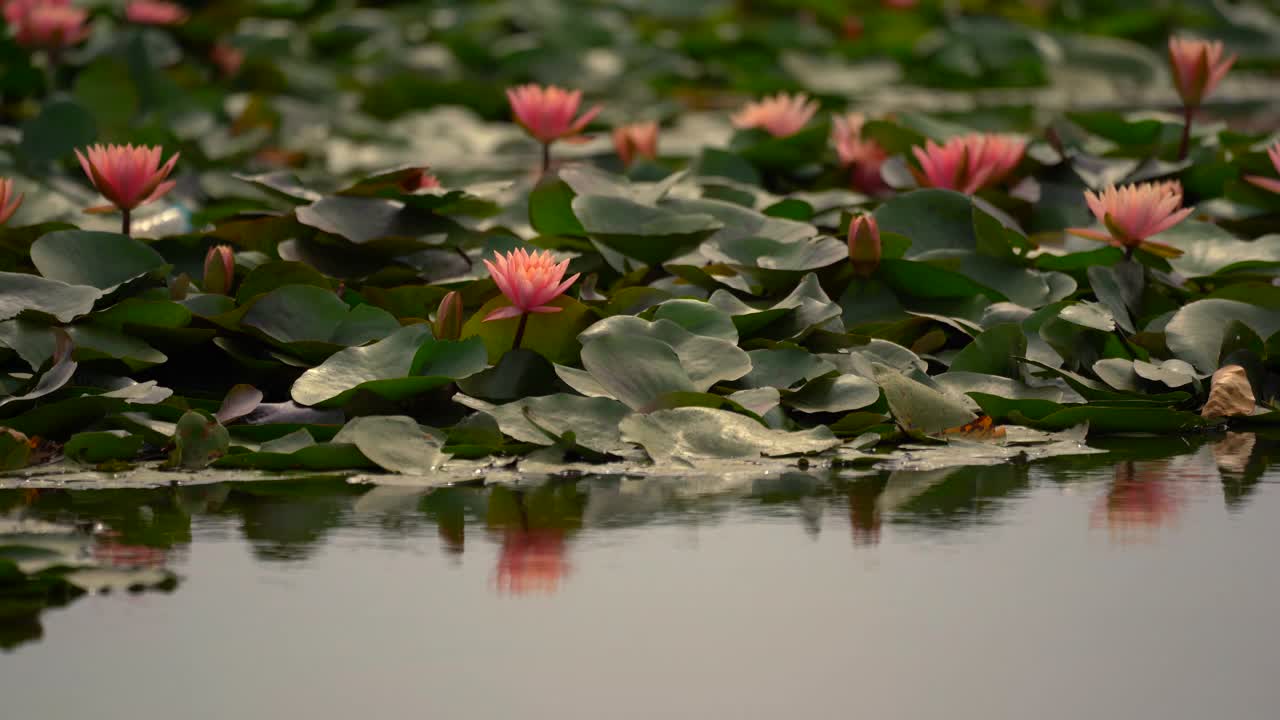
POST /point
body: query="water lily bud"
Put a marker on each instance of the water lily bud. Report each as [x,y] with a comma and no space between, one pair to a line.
[1198,66]
[448,324]
[864,245]
[219,270]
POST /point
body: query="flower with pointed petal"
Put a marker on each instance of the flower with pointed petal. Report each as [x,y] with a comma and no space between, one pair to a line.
[15,10]
[51,25]
[227,57]
[1271,184]
[529,280]
[636,140]
[127,176]
[864,244]
[547,113]
[1133,213]
[968,163]
[1001,153]
[781,115]
[155,12]
[863,157]
[421,180]
[448,322]
[219,270]
[8,203]
[1198,66]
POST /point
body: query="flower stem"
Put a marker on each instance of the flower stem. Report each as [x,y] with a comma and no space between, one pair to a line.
[524,318]
[1187,113]
[1129,250]
[126,222]
[52,61]
[546,157]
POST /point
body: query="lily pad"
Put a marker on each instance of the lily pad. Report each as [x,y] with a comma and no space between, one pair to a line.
[694,434]
[395,442]
[406,363]
[97,259]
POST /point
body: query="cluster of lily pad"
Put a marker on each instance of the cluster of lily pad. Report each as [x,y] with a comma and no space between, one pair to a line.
[787,281]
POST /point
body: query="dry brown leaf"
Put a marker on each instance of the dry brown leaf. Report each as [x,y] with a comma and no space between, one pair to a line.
[1230,394]
[984,428]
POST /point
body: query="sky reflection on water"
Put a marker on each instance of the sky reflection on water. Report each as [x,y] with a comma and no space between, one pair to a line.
[1109,571]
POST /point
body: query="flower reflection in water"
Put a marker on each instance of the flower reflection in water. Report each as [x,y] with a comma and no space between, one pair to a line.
[110,551]
[1142,499]
[533,528]
[864,512]
[532,562]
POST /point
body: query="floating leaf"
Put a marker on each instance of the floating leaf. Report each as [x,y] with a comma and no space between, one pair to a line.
[20,292]
[390,368]
[593,422]
[695,433]
[97,259]
[918,408]
[395,442]
[1197,332]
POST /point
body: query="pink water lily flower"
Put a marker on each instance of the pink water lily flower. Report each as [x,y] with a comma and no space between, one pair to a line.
[419,181]
[1133,213]
[155,12]
[547,113]
[781,115]
[529,281]
[127,176]
[16,10]
[48,24]
[1198,66]
[968,163]
[1266,183]
[8,203]
[862,157]
[636,140]
[227,57]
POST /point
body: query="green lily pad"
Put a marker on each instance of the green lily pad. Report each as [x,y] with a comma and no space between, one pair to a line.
[1197,332]
[918,408]
[1210,250]
[993,352]
[593,421]
[98,447]
[296,314]
[635,369]
[198,440]
[703,360]
[20,292]
[784,367]
[395,442]
[699,318]
[838,393]
[692,434]
[406,363]
[649,234]
[933,220]
[97,259]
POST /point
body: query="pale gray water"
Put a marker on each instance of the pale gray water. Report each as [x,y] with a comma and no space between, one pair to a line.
[1076,588]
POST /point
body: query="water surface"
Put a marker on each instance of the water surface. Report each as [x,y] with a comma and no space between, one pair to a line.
[1138,584]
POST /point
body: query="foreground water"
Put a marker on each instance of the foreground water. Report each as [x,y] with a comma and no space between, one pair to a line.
[1137,584]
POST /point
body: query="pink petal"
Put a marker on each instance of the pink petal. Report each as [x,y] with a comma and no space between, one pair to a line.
[503,313]
[1270,184]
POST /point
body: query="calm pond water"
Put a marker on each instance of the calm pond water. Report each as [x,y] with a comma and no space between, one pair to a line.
[1137,584]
